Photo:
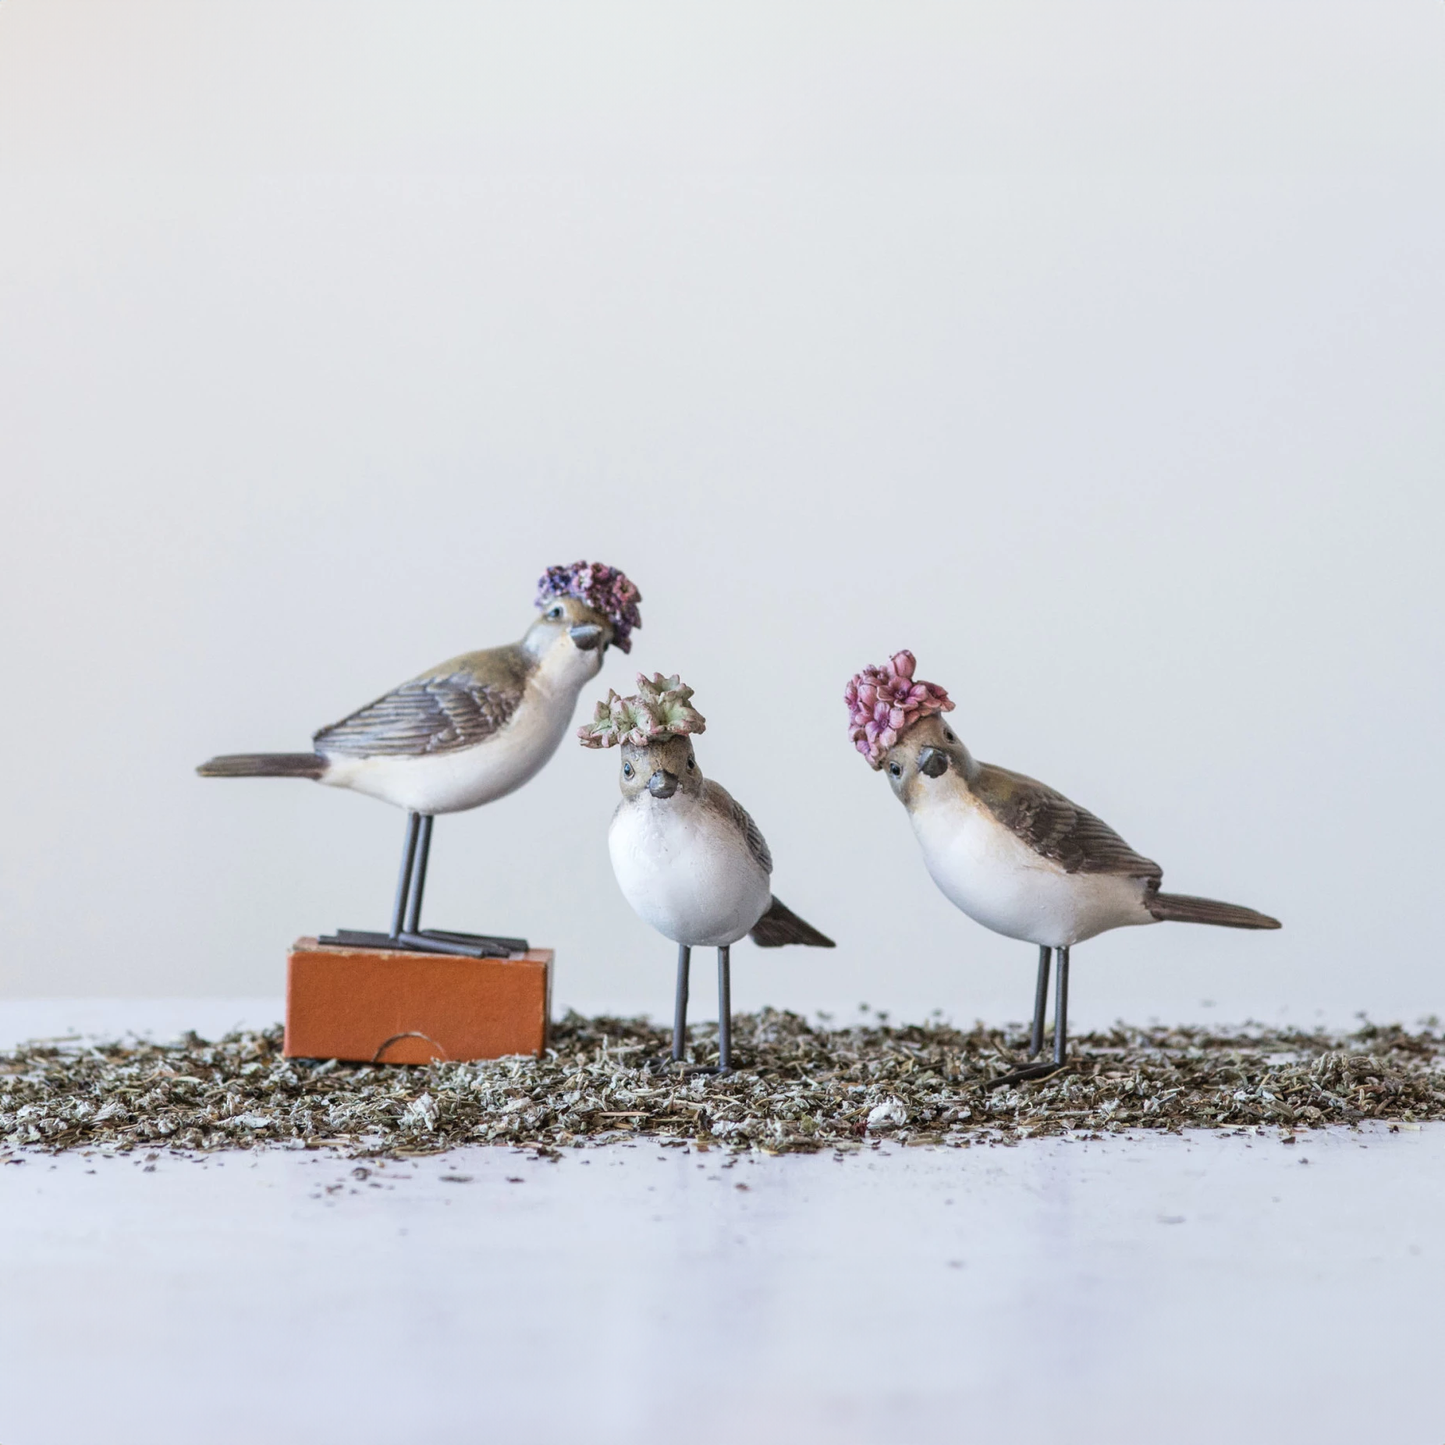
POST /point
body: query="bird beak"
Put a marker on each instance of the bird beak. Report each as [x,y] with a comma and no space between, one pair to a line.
[932,763]
[662,784]
[586,635]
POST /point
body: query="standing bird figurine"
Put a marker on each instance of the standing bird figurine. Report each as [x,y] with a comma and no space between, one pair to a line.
[466,732]
[687,856]
[1010,852]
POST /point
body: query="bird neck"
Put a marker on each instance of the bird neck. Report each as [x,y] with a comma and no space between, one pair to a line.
[661,811]
[557,666]
[965,762]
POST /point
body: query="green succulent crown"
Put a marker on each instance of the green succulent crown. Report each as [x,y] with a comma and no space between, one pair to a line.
[658,709]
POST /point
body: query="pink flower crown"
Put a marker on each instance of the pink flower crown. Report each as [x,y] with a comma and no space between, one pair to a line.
[883,702]
[605,589]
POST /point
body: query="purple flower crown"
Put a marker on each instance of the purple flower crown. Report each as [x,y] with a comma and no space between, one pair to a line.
[603,588]
[883,702]
[658,709]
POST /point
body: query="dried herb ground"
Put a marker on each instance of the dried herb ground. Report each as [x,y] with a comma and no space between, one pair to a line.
[798,1086]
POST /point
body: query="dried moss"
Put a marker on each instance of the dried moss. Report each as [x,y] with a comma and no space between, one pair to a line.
[798,1086]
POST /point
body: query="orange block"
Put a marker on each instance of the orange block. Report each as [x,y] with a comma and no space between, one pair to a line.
[393,1006]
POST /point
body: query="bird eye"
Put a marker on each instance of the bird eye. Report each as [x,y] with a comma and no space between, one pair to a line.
[627,770]
[555,613]
[895,770]
[690,765]
[949,736]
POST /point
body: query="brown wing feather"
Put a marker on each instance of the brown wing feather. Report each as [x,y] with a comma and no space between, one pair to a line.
[780,926]
[717,796]
[455,706]
[1056,828]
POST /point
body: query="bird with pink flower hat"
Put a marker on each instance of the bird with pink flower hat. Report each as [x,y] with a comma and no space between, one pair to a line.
[1010,852]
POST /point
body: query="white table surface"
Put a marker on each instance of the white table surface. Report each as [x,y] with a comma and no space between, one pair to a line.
[1189,1290]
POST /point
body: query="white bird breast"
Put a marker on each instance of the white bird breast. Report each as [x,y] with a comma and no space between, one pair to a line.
[1000,882]
[686,872]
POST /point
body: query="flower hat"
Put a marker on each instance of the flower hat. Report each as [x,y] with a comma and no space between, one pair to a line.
[883,702]
[658,709]
[604,588]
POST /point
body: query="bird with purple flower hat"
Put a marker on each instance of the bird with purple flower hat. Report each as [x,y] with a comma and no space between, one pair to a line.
[463,733]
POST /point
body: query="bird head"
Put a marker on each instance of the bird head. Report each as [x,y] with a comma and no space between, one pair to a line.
[661,768]
[654,728]
[896,722]
[923,756]
[608,595]
[571,633]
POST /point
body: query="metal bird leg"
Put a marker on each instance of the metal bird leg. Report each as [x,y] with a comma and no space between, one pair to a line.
[724,1063]
[418,880]
[1061,1009]
[1061,1023]
[679,1011]
[406,930]
[1041,1003]
[403,881]
[724,1010]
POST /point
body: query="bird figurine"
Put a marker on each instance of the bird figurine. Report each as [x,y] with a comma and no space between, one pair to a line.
[464,733]
[1010,852]
[686,855]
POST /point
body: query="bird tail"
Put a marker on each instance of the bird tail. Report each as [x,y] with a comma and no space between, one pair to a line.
[264,765]
[780,925]
[1181,908]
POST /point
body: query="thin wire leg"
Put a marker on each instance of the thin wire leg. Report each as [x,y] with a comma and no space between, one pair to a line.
[1061,1008]
[1061,1023]
[406,911]
[679,1013]
[403,881]
[418,879]
[1041,1003]
[724,1010]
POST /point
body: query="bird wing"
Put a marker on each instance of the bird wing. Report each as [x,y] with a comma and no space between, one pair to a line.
[717,797]
[1057,829]
[456,705]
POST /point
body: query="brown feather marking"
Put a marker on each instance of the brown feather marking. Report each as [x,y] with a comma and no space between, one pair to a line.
[717,797]
[1185,908]
[457,705]
[1055,828]
[780,926]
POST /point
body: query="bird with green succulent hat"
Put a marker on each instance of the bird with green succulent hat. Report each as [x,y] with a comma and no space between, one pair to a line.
[686,855]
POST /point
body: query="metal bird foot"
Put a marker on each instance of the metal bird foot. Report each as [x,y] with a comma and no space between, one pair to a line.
[429,940]
[669,1066]
[1029,1071]
[406,930]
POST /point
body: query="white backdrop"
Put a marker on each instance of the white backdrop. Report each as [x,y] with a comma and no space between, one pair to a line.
[1094,353]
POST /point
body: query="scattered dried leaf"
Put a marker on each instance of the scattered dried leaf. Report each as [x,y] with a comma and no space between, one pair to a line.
[797,1087]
